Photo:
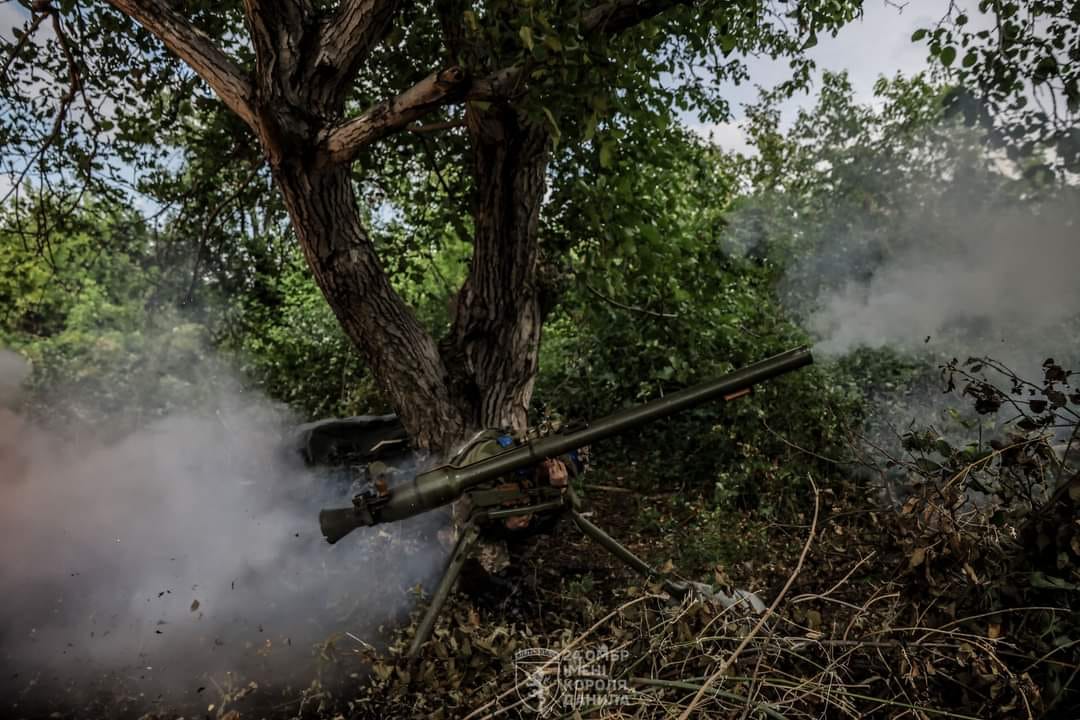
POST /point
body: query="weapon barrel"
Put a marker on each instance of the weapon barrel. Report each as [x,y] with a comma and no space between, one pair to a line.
[726,387]
[442,485]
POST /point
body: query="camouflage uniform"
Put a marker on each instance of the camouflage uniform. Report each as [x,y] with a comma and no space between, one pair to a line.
[491,552]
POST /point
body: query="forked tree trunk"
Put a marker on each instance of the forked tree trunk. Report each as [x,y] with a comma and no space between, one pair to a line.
[402,355]
[306,61]
[482,374]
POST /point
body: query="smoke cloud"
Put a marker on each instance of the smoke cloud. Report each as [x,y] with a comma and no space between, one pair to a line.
[999,282]
[14,370]
[184,551]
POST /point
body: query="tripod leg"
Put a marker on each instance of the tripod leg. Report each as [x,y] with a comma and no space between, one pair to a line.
[469,535]
[637,564]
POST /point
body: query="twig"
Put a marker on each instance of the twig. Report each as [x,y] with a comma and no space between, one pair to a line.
[208,226]
[803,450]
[610,488]
[727,663]
[436,127]
[32,28]
[678,685]
[624,306]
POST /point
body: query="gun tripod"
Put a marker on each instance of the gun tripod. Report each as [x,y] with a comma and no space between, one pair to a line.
[489,507]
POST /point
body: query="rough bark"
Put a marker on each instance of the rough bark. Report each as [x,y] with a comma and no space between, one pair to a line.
[298,104]
[196,49]
[402,355]
[342,141]
[492,350]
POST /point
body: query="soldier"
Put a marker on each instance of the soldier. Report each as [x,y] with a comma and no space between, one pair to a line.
[492,551]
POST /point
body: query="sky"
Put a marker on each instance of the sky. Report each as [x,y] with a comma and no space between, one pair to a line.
[877,44]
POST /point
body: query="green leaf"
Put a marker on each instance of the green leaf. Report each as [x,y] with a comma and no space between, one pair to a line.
[727,44]
[607,154]
[918,35]
[526,37]
[948,54]
[555,133]
[1049,582]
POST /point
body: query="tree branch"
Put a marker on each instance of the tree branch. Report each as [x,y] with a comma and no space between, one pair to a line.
[351,33]
[630,308]
[194,47]
[436,127]
[619,15]
[279,38]
[343,141]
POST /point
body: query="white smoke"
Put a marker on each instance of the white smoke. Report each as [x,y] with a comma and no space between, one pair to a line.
[997,282]
[14,370]
[186,550]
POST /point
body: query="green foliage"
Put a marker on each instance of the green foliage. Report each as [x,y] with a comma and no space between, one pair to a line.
[1019,77]
[295,351]
[81,309]
[136,111]
[658,299]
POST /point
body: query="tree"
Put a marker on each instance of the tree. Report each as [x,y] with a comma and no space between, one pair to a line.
[1017,71]
[316,86]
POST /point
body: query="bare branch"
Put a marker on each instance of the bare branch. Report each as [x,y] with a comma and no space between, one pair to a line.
[195,48]
[278,37]
[341,142]
[631,308]
[75,86]
[499,85]
[28,33]
[211,219]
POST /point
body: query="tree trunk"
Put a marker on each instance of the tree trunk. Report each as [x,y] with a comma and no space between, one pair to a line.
[492,350]
[402,355]
[306,59]
[482,374]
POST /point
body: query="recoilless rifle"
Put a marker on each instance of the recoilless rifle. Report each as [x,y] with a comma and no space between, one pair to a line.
[490,502]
